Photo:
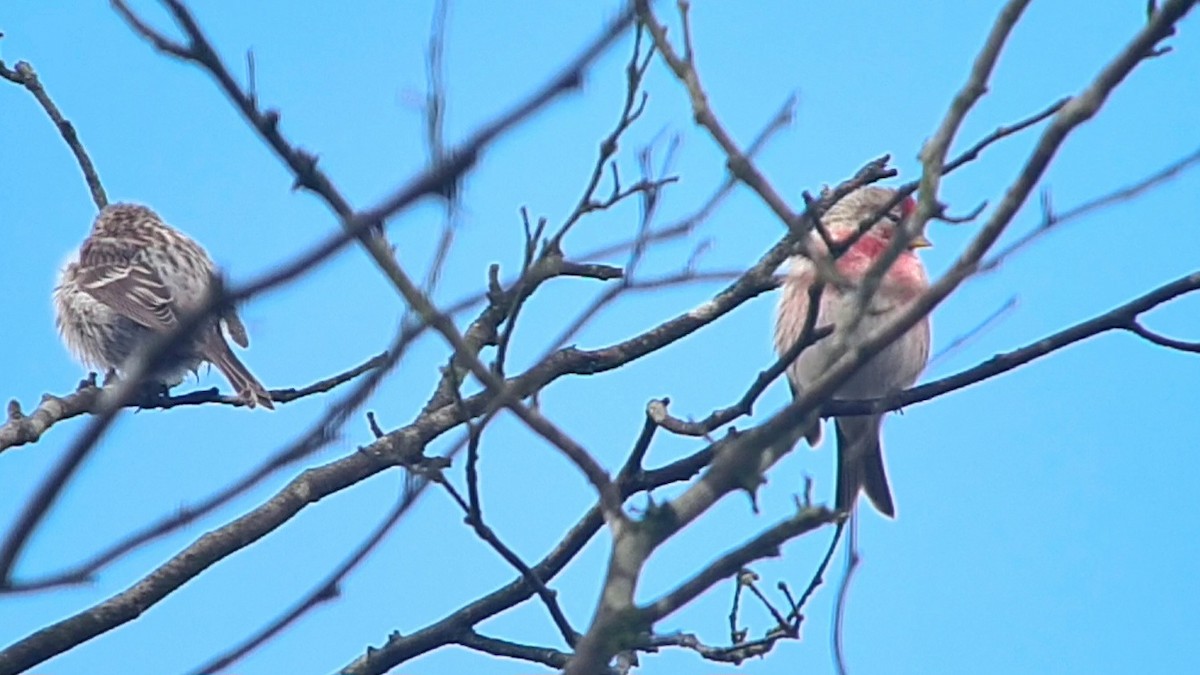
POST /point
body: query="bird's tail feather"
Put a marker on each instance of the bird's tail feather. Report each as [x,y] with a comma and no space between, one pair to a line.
[860,464]
[248,388]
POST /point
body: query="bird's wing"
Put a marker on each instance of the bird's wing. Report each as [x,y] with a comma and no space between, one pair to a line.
[237,331]
[126,284]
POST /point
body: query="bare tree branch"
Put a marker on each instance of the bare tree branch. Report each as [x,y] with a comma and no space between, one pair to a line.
[327,590]
[549,598]
[85,572]
[744,405]
[22,428]
[1138,329]
[399,649]
[737,463]
[1077,111]
[543,655]
[933,154]
[1051,220]
[201,51]
[24,75]
[1123,317]
[961,340]
[631,546]
[304,165]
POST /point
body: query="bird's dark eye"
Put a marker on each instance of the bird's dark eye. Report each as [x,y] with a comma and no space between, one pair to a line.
[894,216]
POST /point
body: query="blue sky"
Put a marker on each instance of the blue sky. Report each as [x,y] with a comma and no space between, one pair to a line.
[1044,515]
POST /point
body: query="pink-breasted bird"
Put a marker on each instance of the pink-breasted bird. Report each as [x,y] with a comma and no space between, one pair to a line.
[134,278]
[860,455]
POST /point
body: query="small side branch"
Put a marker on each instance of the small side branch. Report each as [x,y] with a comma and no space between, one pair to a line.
[24,74]
[1124,317]
[544,655]
[24,428]
[764,545]
[1052,220]
[327,590]
[1138,329]
[745,405]
[548,597]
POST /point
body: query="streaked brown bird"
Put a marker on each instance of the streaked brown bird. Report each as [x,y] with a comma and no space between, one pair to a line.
[895,367]
[134,278]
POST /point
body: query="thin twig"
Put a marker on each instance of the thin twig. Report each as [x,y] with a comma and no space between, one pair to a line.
[85,572]
[843,593]
[546,656]
[962,340]
[766,544]
[1052,220]
[1161,340]
[489,536]
[1118,318]
[744,405]
[24,75]
[328,589]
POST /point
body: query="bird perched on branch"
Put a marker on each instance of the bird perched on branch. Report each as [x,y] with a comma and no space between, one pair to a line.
[134,280]
[895,367]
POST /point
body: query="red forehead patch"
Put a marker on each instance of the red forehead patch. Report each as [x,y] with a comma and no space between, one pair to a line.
[908,206]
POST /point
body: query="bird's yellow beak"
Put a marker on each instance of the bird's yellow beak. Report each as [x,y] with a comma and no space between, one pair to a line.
[919,241]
